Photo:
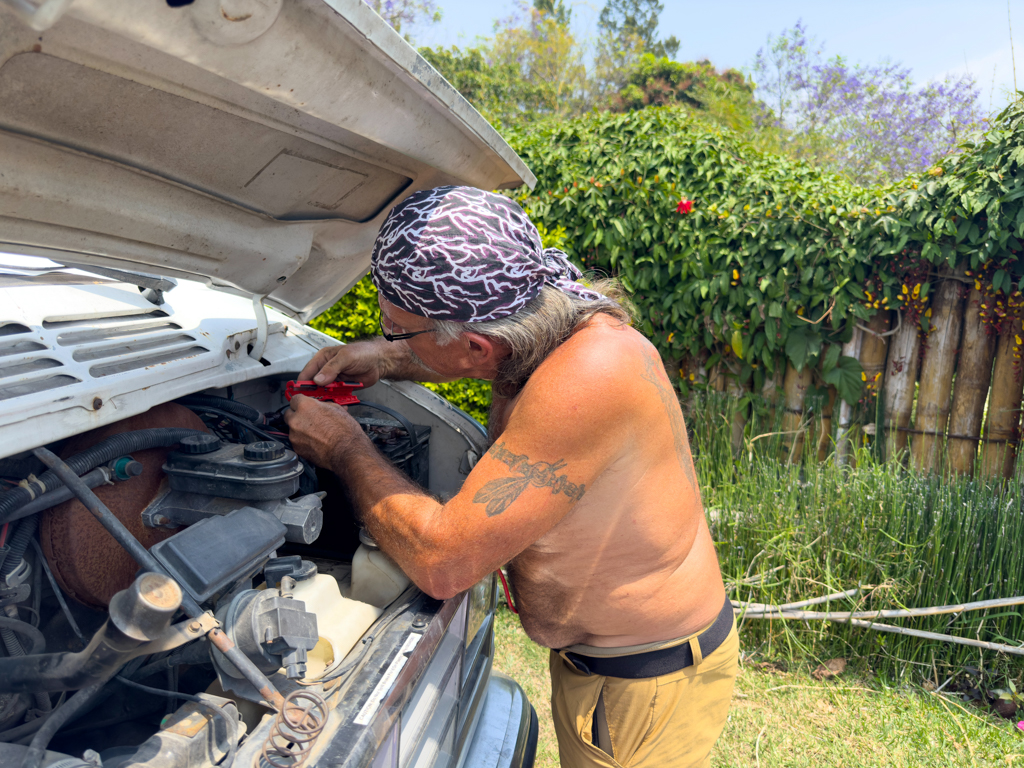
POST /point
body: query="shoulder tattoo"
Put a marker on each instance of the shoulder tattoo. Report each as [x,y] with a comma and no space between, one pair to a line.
[499,494]
[654,372]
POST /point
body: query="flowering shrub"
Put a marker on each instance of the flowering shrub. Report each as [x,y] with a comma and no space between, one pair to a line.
[775,259]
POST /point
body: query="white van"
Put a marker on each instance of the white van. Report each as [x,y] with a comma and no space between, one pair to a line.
[182,186]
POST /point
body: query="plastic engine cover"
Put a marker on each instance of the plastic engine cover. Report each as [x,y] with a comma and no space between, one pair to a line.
[217,552]
[255,472]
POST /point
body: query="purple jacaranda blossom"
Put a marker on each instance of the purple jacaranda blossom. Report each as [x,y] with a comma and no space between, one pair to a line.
[870,122]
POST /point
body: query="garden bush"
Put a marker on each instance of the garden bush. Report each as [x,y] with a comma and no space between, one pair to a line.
[749,258]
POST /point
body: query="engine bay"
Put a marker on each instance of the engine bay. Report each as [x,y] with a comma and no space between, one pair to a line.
[165,577]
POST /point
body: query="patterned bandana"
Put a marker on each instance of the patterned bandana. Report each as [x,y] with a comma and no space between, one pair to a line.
[459,253]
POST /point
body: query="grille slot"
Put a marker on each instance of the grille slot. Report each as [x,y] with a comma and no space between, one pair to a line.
[39,385]
[112,332]
[26,367]
[132,364]
[12,329]
[104,320]
[20,347]
[86,354]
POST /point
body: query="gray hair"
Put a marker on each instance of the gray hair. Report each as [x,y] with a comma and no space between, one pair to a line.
[536,330]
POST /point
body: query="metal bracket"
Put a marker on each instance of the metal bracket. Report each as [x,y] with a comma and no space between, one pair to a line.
[262,328]
[179,634]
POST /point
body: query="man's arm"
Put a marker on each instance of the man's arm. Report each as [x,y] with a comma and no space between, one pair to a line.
[566,429]
[368,361]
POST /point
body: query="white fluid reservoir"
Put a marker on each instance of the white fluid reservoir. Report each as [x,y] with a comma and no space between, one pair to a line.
[376,578]
[340,622]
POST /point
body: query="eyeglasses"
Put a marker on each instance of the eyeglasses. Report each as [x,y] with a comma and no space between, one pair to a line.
[396,336]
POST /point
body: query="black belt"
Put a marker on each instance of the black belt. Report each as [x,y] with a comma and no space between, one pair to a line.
[660,662]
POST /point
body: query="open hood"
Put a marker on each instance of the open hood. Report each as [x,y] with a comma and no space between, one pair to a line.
[253,144]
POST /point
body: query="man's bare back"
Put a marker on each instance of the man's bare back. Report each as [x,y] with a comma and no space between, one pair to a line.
[632,562]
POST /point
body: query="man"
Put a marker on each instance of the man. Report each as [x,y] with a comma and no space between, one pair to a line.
[588,494]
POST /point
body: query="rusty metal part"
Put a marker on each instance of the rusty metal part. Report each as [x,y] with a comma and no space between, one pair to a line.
[111,523]
[249,670]
[296,727]
[179,634]
[89,565]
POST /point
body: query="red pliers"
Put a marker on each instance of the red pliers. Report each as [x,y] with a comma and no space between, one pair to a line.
[339,392]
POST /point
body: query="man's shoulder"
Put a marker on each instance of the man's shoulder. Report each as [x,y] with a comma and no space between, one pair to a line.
[596,369]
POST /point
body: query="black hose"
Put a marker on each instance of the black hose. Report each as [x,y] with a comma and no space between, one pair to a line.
[232,728]
[37,749]
[26,630]
[247,412]
[104,451]
[94,479]
[11,627]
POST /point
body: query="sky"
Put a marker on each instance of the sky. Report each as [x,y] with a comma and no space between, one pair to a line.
[935,39]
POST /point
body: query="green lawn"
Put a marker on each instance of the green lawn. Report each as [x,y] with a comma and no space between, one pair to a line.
[790,719]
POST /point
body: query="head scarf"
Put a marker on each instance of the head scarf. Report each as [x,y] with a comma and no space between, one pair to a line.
[459,253]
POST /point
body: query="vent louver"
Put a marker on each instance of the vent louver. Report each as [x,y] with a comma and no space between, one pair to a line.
[23,370]
[125,342]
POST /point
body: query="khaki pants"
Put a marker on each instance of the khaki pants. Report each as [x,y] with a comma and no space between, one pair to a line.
[671,721]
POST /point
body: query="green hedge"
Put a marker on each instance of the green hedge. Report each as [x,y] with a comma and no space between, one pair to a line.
[775,257]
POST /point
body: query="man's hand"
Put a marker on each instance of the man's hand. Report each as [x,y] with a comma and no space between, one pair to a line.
[319,431]
[360,361]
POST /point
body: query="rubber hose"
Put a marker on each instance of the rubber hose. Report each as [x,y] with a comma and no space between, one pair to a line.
[26,630]
[246,412]
[37,749]
[23,534]
[104,451]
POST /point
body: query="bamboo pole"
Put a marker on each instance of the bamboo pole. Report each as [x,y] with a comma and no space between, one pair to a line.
[825,425]
[973,376]
[999,448]
[794,390]
[874,350]
[935,392]
[900,377]
[738,423]
[770,393]
[843,445]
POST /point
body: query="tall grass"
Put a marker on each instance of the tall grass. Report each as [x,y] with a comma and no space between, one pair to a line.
[791,532]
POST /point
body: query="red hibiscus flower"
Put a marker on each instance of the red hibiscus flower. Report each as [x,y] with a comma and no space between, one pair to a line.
[685,206]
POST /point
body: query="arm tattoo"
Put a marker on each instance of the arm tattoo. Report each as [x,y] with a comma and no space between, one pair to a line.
[499,494]
[654,372]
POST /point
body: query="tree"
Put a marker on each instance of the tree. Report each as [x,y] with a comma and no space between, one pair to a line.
[871,123]
[498,90]
[622,19]
[404,12]
[556,9]
[726,96]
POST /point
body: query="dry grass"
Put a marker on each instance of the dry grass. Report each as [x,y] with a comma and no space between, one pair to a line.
[789,719]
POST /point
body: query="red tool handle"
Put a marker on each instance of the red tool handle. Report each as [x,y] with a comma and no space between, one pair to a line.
[339,392]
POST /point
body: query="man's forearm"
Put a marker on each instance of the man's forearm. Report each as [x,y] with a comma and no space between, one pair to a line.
[401,517]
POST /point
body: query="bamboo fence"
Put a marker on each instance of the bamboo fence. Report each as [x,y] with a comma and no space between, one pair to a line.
[948,399]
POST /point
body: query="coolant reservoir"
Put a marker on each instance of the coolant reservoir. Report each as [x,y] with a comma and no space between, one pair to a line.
[340,621]
[376,578]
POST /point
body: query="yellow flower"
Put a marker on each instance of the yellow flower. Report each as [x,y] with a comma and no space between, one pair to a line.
[1018,339]
[746,207]
[917,290]
[905,290]
[863,376]
[800,310]
[878,376]
[877,212]
[671,336]
[977,285]
[928,313]
[682,374]
[735,274]
[692,377]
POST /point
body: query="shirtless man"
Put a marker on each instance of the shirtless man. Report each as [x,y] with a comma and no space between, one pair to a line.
[588,494]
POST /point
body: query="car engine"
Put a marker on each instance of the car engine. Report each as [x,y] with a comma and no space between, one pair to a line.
[165,577]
